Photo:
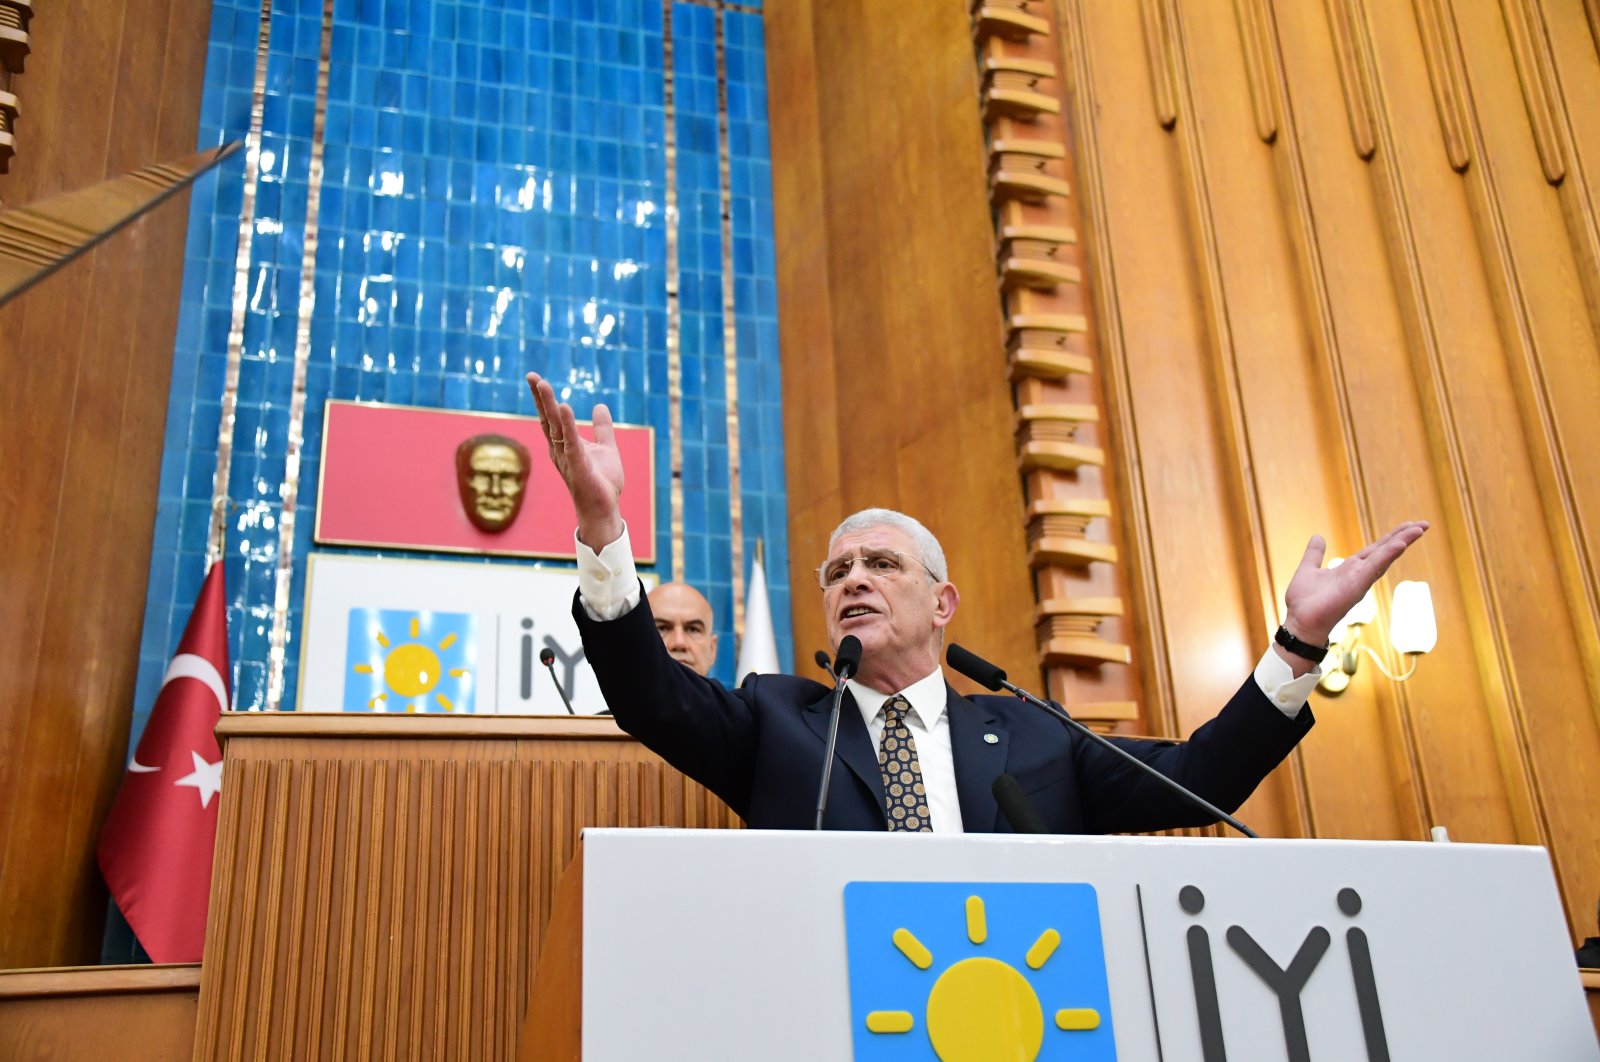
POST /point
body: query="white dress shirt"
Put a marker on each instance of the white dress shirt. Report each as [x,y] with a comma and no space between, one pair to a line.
[608,587]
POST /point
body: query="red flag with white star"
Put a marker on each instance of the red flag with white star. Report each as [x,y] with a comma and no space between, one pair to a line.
[156,846]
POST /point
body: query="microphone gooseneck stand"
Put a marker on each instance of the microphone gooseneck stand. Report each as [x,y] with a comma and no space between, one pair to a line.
[843,667]
[991,677]
[547,657]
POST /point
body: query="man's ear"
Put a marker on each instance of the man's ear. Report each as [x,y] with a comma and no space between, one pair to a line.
[711,658]
[945,600]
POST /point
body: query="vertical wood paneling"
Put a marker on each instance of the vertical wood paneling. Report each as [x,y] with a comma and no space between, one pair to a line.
[1435,727]
[1196,574]
[87,358]
[1385,309]
[1440,52]
[1501,522]
[1575,63]
[895,384]
[387,898]
[1151,655]
[1554,353]
[1536,73]
[1373,731]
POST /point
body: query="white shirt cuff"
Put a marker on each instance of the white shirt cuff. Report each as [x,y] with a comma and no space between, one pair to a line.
[1278,682]
[608,582]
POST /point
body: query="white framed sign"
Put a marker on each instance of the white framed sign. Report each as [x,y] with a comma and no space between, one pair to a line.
[400,635]
[793,946]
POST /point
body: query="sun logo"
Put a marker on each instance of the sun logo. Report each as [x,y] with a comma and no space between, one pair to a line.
[977,972]
[428,668]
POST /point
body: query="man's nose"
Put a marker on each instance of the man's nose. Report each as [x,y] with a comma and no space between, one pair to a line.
[856,578]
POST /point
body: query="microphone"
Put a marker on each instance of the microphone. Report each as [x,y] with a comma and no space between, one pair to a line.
[547,657]
[1016,807]
[823,662]
[844,665]
[849,658]
[975,667]
[991,677]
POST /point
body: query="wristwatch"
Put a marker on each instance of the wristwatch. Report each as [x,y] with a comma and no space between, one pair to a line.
[1313,653]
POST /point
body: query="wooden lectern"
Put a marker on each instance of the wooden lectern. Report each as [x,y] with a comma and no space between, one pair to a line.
[382,883]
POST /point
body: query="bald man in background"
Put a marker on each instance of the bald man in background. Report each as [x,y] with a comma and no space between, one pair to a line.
[683,618]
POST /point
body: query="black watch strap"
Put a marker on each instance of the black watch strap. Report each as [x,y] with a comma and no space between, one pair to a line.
[1313,653]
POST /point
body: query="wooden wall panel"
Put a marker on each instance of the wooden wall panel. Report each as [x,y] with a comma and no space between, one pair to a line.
[383,883]
[1437,725]
[1526,637]
[1535,270]
[131,1013]
[87,357]
[1345,271]
[895,386]
[1569,35]
[1199,574]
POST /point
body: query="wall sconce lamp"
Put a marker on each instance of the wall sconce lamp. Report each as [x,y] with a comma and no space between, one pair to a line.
[1412,632]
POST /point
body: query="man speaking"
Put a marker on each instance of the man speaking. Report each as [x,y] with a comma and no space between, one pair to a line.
[916,756]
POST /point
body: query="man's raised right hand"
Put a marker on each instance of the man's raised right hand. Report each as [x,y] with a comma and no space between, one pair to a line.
[592,471]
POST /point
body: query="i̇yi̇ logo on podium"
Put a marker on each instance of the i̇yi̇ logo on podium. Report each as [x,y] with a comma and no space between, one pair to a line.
[968,971]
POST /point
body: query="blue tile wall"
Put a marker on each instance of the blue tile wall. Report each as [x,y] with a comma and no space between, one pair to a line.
[492,201]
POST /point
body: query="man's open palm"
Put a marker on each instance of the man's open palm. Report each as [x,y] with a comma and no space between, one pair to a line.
[1318,597]
[592,471]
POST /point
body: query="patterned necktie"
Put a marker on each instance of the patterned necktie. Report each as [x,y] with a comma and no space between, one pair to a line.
[904,796]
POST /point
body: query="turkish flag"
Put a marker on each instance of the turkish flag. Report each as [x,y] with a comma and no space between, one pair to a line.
[156,846]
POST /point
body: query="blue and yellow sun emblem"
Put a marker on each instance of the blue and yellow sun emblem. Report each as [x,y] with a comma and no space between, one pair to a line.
[405,661]
[977,972]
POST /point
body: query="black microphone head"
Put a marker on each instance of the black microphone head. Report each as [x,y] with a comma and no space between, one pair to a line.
[547,656]
[848,658]
[975,668]
[1015,806]
[822,661]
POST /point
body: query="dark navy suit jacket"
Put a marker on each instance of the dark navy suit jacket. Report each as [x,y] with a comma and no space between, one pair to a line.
[760,747]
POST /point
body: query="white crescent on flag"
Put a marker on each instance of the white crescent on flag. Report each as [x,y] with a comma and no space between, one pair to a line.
[189,665]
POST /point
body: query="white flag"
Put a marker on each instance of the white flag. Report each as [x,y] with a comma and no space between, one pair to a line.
[758,650]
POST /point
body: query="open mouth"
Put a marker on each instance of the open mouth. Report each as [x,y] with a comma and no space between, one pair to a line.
[856,611]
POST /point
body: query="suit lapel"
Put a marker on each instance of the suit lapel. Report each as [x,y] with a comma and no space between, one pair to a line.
[978,761]
[855,743]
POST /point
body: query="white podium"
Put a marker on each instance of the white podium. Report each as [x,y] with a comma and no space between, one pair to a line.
[713,945]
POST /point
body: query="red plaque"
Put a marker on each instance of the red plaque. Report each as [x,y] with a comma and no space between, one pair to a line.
[389,481]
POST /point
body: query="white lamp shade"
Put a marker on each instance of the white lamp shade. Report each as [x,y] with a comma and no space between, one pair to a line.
[1411,624]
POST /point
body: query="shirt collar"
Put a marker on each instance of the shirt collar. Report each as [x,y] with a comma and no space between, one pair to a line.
[927,696]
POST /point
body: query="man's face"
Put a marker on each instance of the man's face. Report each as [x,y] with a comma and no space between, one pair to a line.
[495,478]
[683,618]
[896,616]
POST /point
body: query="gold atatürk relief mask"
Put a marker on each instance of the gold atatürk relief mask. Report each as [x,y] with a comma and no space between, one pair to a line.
[492,475]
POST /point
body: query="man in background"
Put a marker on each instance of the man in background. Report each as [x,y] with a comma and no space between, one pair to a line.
[684,621]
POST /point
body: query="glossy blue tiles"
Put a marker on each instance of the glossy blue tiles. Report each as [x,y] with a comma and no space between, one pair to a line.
[492,200]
